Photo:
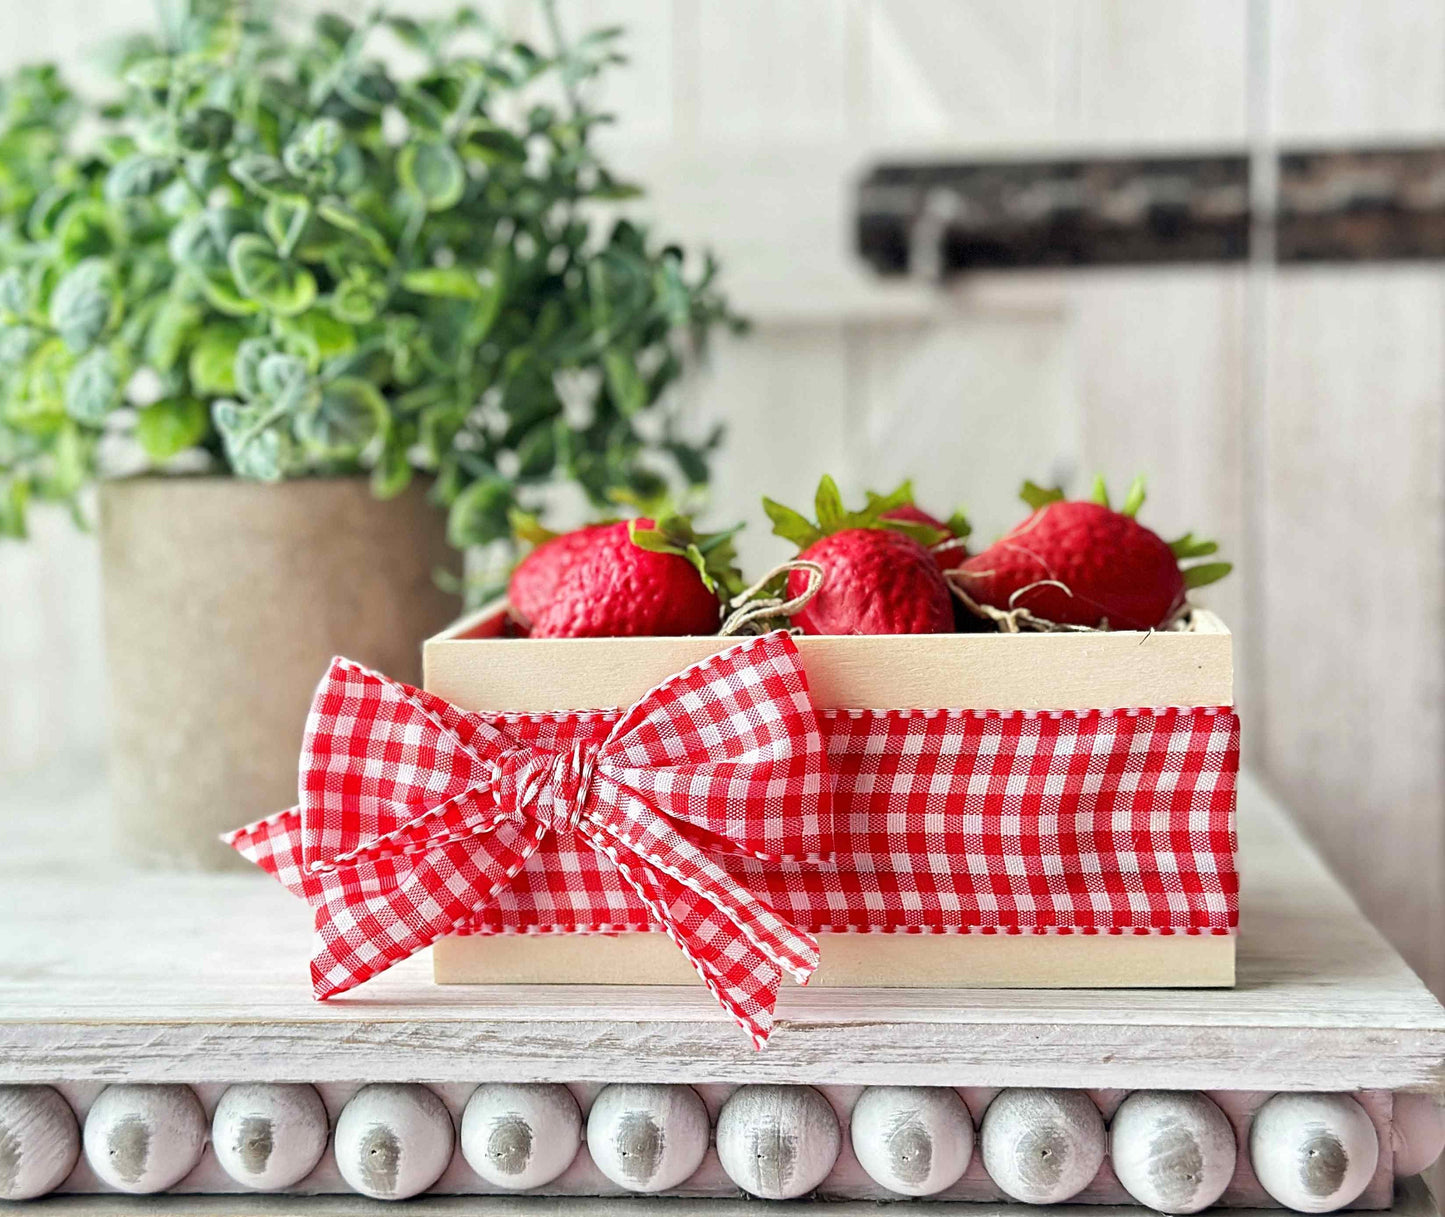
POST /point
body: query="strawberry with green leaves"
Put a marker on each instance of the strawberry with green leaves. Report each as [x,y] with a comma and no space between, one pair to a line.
[626,578]
[878,574]
[1085,564]
[950,549]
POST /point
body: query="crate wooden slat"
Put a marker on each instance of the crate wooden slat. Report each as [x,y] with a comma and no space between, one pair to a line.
[108,975]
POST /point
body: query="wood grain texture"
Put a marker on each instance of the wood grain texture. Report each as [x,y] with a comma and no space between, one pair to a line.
[1353,724]
[110,976]
[866,961]
[1412,1200]
[1118,669]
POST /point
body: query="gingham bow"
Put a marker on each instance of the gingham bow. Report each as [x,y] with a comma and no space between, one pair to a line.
[414,814]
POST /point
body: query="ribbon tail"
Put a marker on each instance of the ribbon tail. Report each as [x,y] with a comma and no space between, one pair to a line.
[274,844]
[738,945]
[373,913]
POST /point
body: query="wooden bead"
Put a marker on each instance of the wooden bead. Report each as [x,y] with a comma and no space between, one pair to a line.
[1042,1146]
[1313,1152]
[393,1140]
[520,1136]
[1172,1150]
[1417,1127]
[39,1141]
[915,1140]
[777,1142]
[144,1139]
[269,1136]
[648,1138]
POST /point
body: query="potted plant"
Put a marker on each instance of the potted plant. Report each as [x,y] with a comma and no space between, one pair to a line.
[284,304]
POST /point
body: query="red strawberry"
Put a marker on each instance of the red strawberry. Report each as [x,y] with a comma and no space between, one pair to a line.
[877,579]
[536,577]
[949,550]
[1082,563]
[639,578]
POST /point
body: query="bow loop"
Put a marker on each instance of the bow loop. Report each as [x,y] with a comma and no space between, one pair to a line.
[415,814]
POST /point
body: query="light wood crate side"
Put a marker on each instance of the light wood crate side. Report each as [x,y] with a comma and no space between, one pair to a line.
[926,671]
[863,961]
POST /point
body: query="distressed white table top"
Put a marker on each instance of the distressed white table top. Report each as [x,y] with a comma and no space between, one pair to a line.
[107,974]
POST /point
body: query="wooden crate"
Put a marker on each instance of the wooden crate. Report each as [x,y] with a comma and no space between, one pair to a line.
[473,666]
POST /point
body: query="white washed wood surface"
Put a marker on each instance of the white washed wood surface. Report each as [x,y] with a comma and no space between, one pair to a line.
[1412,1199]
[749,121]
[107,976]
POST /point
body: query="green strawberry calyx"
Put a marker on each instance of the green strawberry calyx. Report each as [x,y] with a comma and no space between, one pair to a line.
[712,554]
[832,517]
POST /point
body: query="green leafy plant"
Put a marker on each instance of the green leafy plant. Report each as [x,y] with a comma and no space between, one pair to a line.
[281,257]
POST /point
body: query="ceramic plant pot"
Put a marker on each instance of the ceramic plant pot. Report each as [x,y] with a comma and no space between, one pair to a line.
[224,600]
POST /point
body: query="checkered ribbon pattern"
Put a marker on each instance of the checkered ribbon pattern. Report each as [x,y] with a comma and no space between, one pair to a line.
[415,814]
[887,820]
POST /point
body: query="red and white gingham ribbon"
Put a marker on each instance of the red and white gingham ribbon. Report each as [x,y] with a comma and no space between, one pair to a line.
[415,814]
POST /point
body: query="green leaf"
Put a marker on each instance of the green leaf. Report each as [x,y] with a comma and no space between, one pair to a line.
[206,130]
[1036,496]
[220,289]
[479,513]
[316,336]
[80,307]
[433,172]
[265,277]
[828,504]
[925,534]
[254,452]
[628,389]
[169,331]
[392,472]
[282,380]
[138,176]
[336,213]
[959,524]
[149,74]
[86,229]
[213,359]
[92,389]
[358,297]
[491,144]
[791,525]
[284,217]
[527,527]
[260,173]
[201,239]
[452,283]
[1188,547]
[349,414]
[16,297]
[1135,498]
[17,343]
[1101,491]
[250,355]
[170,426]
[1206,573]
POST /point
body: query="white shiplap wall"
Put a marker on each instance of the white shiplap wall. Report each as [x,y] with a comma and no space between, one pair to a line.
[1297,417]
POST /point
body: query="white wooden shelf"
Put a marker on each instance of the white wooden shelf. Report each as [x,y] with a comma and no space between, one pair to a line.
[108,975]
[1412,1199]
